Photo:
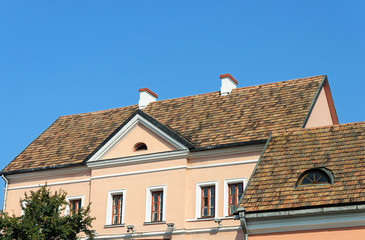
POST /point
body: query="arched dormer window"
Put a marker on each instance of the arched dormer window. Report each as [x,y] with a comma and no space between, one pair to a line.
[315,176]
[140,147]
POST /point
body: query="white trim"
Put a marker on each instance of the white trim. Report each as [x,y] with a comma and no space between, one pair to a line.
[175,232]
[138,119]
[139,172]
[199,185]
[174,168]
[68,199]
[5,192]
[146,158]
[209,219]
[224,164]
[135,173]
[149,191]
[299,223]
[109,206]
[24,205]
[226,189]
[50,184]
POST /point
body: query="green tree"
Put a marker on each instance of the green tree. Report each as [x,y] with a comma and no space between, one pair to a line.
[42,219]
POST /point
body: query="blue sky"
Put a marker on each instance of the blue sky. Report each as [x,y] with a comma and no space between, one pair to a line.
[66,57]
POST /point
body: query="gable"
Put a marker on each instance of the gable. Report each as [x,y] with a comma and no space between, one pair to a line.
[139,128]
[323,112]
[139,134]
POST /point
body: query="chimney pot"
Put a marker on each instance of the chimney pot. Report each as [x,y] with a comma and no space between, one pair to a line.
[228,83]
[146,96]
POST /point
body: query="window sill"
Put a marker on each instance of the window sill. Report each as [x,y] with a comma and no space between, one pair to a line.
[154,223]
[207,219]
[114,225]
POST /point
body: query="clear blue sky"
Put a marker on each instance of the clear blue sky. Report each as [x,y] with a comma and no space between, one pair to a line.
[66,57]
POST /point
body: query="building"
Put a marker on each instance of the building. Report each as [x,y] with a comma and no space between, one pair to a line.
[167,169]
[309,184]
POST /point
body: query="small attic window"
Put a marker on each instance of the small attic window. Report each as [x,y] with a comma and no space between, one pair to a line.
[315,176]
[140,147]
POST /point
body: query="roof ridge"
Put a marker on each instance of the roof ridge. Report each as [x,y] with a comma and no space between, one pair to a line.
[254,86]
[99,111]
[247,87]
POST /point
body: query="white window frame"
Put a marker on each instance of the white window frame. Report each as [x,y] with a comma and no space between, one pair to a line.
[227,182]
[24,205]
[198,200]
[109,208]
[68,199]
[149,192]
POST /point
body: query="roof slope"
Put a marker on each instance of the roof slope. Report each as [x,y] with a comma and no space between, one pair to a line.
[340,148]
[204,120]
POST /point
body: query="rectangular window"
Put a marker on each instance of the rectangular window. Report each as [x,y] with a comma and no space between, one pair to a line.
[157,206]
[208,201]
[117,209]
[75,205]
[235,193]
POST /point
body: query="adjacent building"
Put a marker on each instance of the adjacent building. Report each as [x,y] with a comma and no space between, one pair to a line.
[166,169]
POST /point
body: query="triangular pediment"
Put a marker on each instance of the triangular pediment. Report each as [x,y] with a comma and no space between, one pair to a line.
[140,128]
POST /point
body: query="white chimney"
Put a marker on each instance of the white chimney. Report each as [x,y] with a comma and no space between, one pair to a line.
[228,84]
[146,96]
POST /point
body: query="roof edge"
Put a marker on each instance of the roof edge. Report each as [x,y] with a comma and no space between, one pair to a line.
[42,168]
[307,207]
[166,130]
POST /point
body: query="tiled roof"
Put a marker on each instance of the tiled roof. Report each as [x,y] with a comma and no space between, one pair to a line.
[204,120]
[339,148]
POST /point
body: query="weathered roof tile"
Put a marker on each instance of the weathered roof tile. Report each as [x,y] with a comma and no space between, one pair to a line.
[339,148]
[247,114]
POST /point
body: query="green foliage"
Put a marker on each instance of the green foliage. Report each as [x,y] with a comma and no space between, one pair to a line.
[42,219]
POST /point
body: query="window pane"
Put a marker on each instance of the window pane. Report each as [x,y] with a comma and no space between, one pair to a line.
[205,211]
[211,211]
[205,192]
[154,216]
[232,189]
[155,197]
[240,188]
[231,200]
[205,203]
[212,191]
[232,207]
[212,201]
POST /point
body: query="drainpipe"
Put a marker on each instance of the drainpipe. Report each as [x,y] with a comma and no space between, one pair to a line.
[243,223]
[5,191]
